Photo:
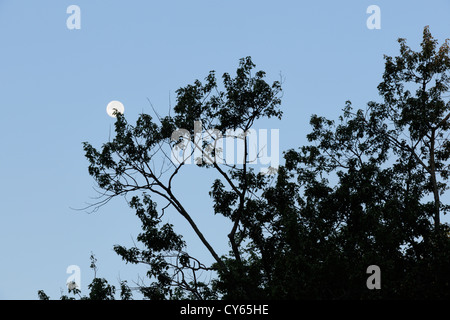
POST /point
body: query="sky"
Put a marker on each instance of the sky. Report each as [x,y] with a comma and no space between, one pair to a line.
[55,83]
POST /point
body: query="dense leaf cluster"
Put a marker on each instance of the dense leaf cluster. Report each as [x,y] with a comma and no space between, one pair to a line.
[366,191]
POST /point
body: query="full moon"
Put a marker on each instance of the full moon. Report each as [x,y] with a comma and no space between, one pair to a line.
[114,106]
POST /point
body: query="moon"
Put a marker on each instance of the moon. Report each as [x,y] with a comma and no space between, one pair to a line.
[114,106]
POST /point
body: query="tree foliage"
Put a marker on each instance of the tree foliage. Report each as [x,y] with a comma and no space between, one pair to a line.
[367,190]
[99,288]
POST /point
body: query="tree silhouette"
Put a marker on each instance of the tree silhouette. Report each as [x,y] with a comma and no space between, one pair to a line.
[357,195]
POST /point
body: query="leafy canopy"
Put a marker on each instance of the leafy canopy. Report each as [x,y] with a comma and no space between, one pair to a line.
[367,190]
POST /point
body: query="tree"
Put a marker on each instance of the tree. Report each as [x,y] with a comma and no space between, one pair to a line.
[387,159]
[423,116]
[357,195]
[126,165]
[99,288]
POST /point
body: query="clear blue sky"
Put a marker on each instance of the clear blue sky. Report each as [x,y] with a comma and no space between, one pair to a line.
[55,84]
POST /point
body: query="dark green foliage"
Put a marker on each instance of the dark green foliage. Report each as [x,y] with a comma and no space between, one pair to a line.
[366,191]
[99,289]
[42,295]
[246,98]
[387,160]
[127,163]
